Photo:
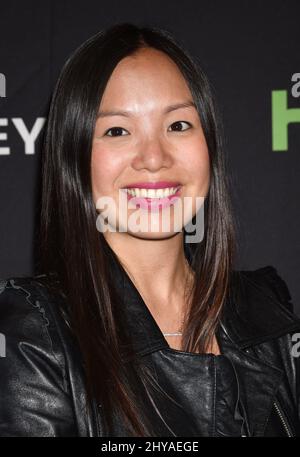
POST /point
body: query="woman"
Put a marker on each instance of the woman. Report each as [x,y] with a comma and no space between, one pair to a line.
[129,331]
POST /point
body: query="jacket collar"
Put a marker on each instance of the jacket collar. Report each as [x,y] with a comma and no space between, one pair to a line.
[249,316]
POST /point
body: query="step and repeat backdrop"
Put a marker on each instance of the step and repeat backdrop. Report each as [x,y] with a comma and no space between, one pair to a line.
[250,51]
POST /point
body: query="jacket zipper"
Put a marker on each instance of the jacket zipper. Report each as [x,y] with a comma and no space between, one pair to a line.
[277,409]
[283,421]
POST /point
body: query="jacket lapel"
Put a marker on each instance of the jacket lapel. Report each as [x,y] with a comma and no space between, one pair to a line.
[250,316]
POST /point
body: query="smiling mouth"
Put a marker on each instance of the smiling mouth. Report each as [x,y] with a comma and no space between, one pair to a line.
[152,193]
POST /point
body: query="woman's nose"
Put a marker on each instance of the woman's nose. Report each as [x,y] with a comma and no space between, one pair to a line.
[152,155]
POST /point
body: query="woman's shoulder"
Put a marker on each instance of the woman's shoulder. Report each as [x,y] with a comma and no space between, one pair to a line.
[38,360]
[26,293]
[268,281]
[31,310]
[261,303]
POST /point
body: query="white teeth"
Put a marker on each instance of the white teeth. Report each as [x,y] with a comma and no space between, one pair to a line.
[152,193]
[160,193]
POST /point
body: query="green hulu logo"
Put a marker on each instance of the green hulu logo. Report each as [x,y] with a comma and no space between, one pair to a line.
[282,115]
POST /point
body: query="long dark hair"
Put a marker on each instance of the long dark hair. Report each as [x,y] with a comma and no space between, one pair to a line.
[72,247]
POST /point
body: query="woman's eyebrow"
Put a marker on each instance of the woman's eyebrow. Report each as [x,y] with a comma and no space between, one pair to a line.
[168,109]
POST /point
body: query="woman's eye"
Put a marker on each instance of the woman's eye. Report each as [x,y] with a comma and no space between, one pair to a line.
[178,126]
[116,130]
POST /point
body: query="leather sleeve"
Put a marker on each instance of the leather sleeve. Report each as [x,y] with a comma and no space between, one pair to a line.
[272,285]
[34,392]
[279,289]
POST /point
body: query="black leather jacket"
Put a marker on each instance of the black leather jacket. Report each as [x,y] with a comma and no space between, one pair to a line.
[42,390]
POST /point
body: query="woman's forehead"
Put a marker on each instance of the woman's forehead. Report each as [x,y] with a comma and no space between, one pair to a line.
[146,83]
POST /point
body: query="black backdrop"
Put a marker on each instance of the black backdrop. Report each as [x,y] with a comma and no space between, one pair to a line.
[249,50]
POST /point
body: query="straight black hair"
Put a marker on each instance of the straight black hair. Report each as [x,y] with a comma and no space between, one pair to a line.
[73,249]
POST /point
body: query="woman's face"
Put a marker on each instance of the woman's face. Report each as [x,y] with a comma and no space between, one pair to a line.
[141,137]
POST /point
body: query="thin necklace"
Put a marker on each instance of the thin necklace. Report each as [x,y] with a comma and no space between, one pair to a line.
[173,334]
[182,320]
